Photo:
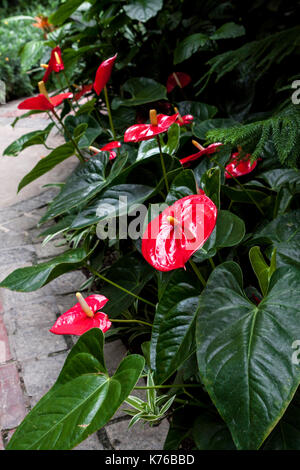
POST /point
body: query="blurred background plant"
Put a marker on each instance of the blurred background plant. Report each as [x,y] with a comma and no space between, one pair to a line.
[17,19]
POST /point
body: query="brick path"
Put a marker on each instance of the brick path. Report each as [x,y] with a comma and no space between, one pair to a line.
[31,357]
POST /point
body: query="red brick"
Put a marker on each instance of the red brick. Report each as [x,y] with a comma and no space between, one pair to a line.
[12,405]
[5,354]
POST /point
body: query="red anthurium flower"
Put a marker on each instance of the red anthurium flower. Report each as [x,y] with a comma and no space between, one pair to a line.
[42,103]
[107,148]
[173,237]
[239,167]
[83,316]
[55,63]
[85,89]
[212,148]
[158,125]
[184,120]
[103,74]
[177,79]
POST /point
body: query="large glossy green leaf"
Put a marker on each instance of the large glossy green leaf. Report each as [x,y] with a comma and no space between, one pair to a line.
[284,234]
[82,401]
[114,202]
[229,231]
[211,184]
[142,91]
[33,277]
[55,157]
[65,11]
[244,350]
[32,138]
[173,330]
[189,46]
[130,272]
[143,10]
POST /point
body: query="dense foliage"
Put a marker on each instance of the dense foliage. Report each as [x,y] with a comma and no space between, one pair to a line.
[218,338]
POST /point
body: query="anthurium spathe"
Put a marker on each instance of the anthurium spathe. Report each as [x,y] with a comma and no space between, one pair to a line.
[180,79]
[83,316]
[173,237]
[212,148]
[107,148]
[158,124]
[41,103]
[239,166]
[55,63]
[103,74]
[83,90]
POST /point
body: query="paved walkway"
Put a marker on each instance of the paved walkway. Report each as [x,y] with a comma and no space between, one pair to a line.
[31,357]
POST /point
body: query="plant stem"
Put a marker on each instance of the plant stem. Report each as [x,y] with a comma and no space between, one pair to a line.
[109,113]
[197,272]
[212,263]
[131,321]
[93,271]
[59,130]
[163,164]
[151,387]
[79,155]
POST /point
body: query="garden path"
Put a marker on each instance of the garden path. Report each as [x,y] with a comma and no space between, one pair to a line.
[30,356]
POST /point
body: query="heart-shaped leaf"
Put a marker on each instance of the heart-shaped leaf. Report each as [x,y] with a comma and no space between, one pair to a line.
[173,328]
[189,46]
[143,10]
[82,401]
[183,185]
[142,91]
[245,350]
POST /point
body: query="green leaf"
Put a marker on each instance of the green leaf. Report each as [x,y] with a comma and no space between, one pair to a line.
[201,128]
[130,272]
[143,10]
[211,433]
[87,107]
[284,235]
[189,46]
[33,277]
[148,148]
[201,111]
[243,196]
[114,202]
[244,350]
[82,401]
[31,53]
[228,30]
[55,157]
[211,184]
[262,270]
[229,231]
[174,327]
[65,11]
[183,185]
[282,177]
[142,91]
[32,138]
[93,130]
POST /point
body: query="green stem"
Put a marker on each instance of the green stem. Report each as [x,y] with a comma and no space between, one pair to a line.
[212,263]
[54,122]
[163,164]
[109,113]
[131,321]
[152,387]
[93,271]
[79,155]
[197,272]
